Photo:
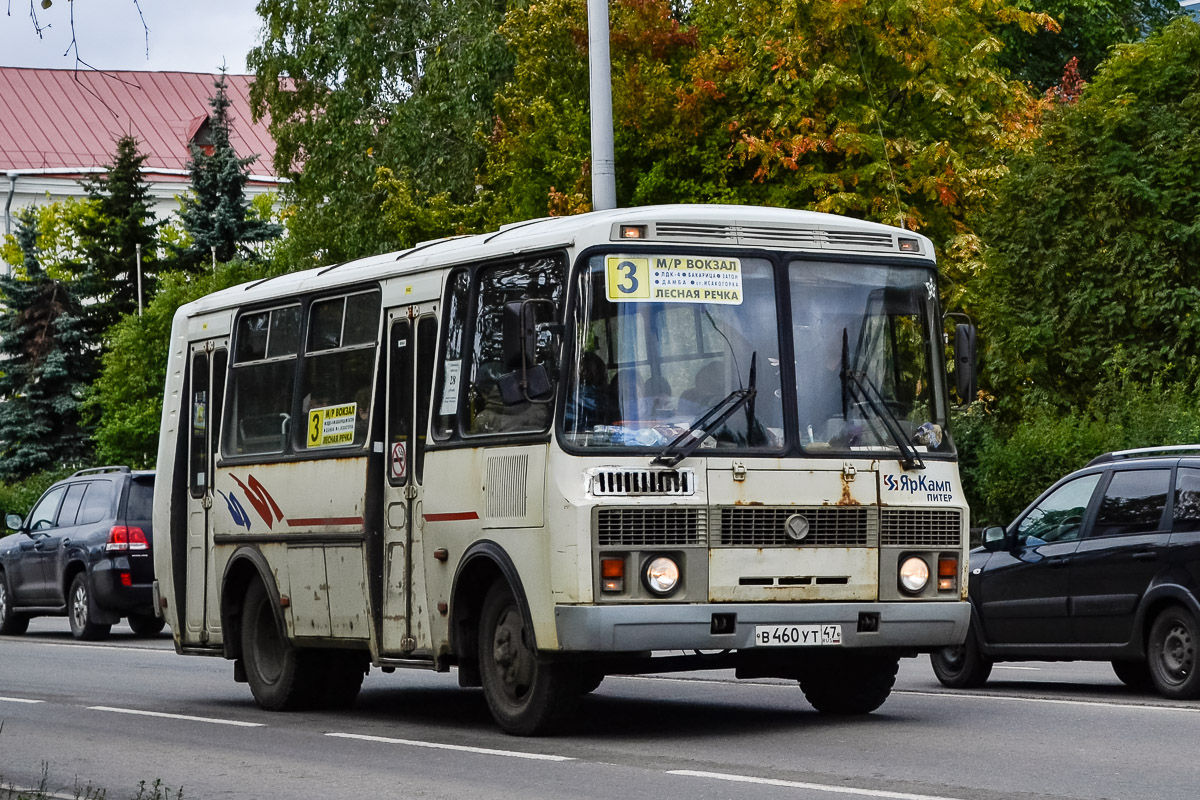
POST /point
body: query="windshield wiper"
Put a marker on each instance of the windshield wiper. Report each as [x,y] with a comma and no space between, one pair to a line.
[862,385]
[683,444]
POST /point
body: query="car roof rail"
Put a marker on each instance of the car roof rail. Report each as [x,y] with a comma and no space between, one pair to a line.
[100,470]
[1144,452]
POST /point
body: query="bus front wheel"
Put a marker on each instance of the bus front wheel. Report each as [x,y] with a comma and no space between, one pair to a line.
[526,694]
[281,677]
[850,685]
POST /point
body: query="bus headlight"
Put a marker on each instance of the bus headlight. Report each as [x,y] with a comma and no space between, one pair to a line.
[661,575]
[914,574]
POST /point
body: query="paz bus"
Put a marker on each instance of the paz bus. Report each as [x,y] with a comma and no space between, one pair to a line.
[641,440]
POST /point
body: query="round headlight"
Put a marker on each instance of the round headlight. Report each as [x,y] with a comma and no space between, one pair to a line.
[914,574]
[662,575]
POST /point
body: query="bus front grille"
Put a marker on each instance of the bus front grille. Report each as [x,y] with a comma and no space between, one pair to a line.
[824,526]
[923,527]
[649,527]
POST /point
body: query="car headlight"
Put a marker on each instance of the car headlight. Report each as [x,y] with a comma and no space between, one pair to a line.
[914,574]
[661,575]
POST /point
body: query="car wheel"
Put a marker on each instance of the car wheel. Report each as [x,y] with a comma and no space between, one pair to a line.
[961,666]
[1134,674]
[849,684]
[11,623]
[281,677]
[146,624]
[1172,654]
[526,694]
[79,612]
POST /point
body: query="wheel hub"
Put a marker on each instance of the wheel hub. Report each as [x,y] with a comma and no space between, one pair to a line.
[79,610]
[1178,653]
[513,662]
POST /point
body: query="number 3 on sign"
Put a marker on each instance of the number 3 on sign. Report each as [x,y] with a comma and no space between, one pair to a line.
[628,278]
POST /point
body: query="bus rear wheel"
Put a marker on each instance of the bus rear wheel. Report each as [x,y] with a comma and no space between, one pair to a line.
[849,685]
[526,694]
[281,677]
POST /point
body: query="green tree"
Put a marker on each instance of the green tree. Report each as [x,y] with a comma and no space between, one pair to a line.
[1093,266]
[351,87]
[217,213]
[110,239]
[1086,31]
[47,365]
[126,399]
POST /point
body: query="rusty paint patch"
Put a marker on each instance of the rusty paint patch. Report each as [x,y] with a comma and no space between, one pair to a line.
[846,499]
[748,503]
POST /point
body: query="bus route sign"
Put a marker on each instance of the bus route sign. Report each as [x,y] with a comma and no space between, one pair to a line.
[331,426]
[674,279]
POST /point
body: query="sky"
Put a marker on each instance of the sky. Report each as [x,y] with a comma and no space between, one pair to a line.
[185,35]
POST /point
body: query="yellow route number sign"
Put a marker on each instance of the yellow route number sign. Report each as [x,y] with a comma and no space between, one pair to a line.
[673,279]
[332,425]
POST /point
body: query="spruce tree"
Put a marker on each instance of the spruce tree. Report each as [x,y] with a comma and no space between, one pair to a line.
[46,365]
[218,215]
[110,240]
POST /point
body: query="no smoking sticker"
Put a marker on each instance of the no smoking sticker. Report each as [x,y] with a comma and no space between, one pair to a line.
[399,461]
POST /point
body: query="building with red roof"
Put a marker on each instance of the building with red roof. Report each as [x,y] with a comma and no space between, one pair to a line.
[58,126]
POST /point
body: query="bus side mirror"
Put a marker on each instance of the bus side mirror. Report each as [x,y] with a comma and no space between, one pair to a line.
[965,381]
[519,334]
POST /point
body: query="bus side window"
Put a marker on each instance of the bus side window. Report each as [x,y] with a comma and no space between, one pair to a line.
[339,361]
[449,374]
[261,380]
[540,279]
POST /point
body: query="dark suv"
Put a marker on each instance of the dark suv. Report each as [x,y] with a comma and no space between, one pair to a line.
[1104,566]
[83,552]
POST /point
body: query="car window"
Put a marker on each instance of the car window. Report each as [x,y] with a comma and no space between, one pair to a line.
[1059,516]
[97,503]
[70,506]
[141,500]
[1133,503]
[1187,500]
[42,516]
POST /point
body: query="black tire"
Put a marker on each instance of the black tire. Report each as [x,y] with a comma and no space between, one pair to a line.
[589,680]
[146,624]
[11,623]
[850,684]
[80,614]
[526,694]
[1171,654]
[281,677]
[963,666]
[342,680]
[1134,674]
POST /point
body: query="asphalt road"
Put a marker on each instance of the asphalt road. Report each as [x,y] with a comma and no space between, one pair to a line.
[113,714]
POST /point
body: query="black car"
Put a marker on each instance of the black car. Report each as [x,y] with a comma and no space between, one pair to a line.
[84,552]
[1104,566]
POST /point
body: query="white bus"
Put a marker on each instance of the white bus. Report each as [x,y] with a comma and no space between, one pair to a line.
[641,440]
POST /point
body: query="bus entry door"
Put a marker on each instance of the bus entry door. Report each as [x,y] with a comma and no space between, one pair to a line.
[207,389]
[411,340]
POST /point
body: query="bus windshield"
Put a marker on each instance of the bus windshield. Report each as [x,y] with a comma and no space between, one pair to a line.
[661,341]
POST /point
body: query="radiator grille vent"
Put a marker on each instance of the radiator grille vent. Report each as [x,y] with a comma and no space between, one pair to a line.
[828,526]
[692,230]
[506,486]
[632,482]
[858,240]
[910,527]
[649,527]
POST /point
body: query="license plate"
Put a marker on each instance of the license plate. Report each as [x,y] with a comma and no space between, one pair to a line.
[797,635]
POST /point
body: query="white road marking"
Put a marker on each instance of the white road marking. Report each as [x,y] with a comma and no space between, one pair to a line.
[1052,701]
[115,647]
[19,700]
[1010,666]
[815,787]
[487,751]
[185,717]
